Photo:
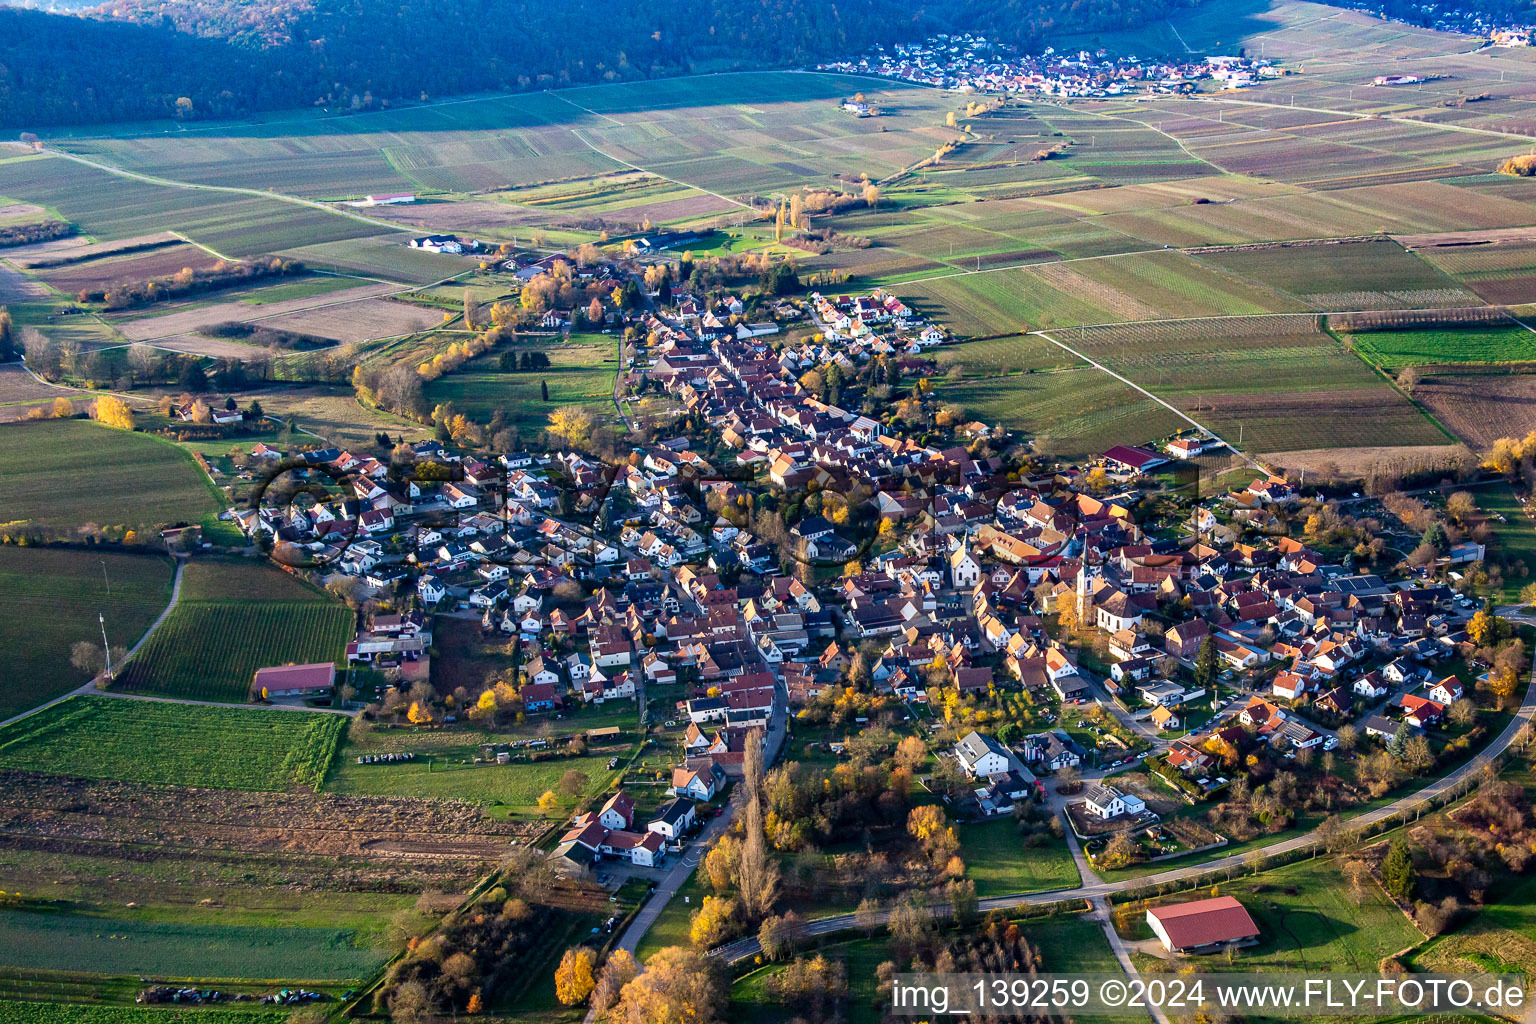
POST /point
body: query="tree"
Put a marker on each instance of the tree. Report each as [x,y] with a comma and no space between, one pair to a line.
[722,863]
[574,423]
[409,1004]
[573,783]
[961,893]
[758,873]
[911,754]
[871,195]
[419,714]
[192,376]
[549,801]
[1397,875]
[1206,664]
[1417,755]
[88,657]
[1118,852]
[780,935]
[573,978]
[544,390]
[866,916]
[1462,712]
[713,922]
[679,986]
[618,970]
[111,411]
[1347,736]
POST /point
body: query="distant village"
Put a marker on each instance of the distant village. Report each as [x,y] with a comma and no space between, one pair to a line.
[967,63]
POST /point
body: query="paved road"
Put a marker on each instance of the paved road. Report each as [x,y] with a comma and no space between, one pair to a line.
[1099,890]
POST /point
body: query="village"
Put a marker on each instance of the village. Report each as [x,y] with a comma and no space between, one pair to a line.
[1099,641]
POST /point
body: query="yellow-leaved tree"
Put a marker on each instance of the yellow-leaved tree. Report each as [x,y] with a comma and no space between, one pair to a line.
[573,978]
[113,412]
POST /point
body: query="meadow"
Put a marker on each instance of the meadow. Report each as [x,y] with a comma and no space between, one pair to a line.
[174,744]
[232,619]
[1307,921]
[1066,412]
[52,598]
[447,774]
[39,940]
[997,860]
[581,372]
[15,1012]
[67,473]
[1393,350]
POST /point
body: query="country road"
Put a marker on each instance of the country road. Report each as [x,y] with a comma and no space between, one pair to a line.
[733,952]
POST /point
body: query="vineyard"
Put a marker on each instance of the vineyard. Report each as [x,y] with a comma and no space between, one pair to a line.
[175,744]
[211,650]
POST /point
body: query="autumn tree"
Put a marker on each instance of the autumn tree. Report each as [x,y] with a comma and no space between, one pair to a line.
[679,986]
[714,921]
[112,412]
[573,423]
[548,801]
[758,873]
[573,978]
[618,970]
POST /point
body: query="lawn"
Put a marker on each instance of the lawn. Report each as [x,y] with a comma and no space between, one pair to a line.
[1493,344]
[175,744]
[52,598]
[68,473]
[997,860]
[1309,922]
[232,619]
[1516,537]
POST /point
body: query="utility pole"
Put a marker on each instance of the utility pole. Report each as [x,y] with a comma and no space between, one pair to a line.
[104,577]
[106,647]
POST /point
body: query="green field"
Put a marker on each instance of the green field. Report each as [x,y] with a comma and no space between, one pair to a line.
[117,945]
[997,860]
[1393,350]
[1309,922]
[51,599]
[232,619]
[67,473]
[175,744]
[14,1012]
[581,372]
[1068,412]
[448,774]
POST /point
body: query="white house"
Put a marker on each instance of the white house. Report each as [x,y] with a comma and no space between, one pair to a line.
[963,569]
[673,819]
[1108,802]
[982,756]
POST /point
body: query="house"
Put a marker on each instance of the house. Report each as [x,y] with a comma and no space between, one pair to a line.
[1164,718]
[702,783]
[963,569]
[618,812]
[1421,713]
[311,680]
[438,243]
[1372,685]
[1290,685]
[1107,802]
[1446,691]
[539,697]
[643,849]
[982,756]
[1184,640]
[1053,751]
[1381,727]
[1202,926]
[673,819]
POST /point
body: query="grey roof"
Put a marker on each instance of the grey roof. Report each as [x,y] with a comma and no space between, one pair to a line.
[973,746]
[1102,796]
[672,811]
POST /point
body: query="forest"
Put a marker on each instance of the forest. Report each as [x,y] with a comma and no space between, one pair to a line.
[200,59]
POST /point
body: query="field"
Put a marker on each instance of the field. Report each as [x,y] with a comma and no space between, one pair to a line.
[20,391]
[184,318]
[52,597]
[13,1012]
[232,619]
[115,945]
[174,744]
[446,774]
[581,372]
[1308,921]
[68,473]
[1480,408]
[1393,350]
[111,207]
[1068,412]
[997,860]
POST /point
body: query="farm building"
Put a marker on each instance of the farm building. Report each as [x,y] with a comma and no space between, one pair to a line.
[1203,926]
[1132,459]
[313,680]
